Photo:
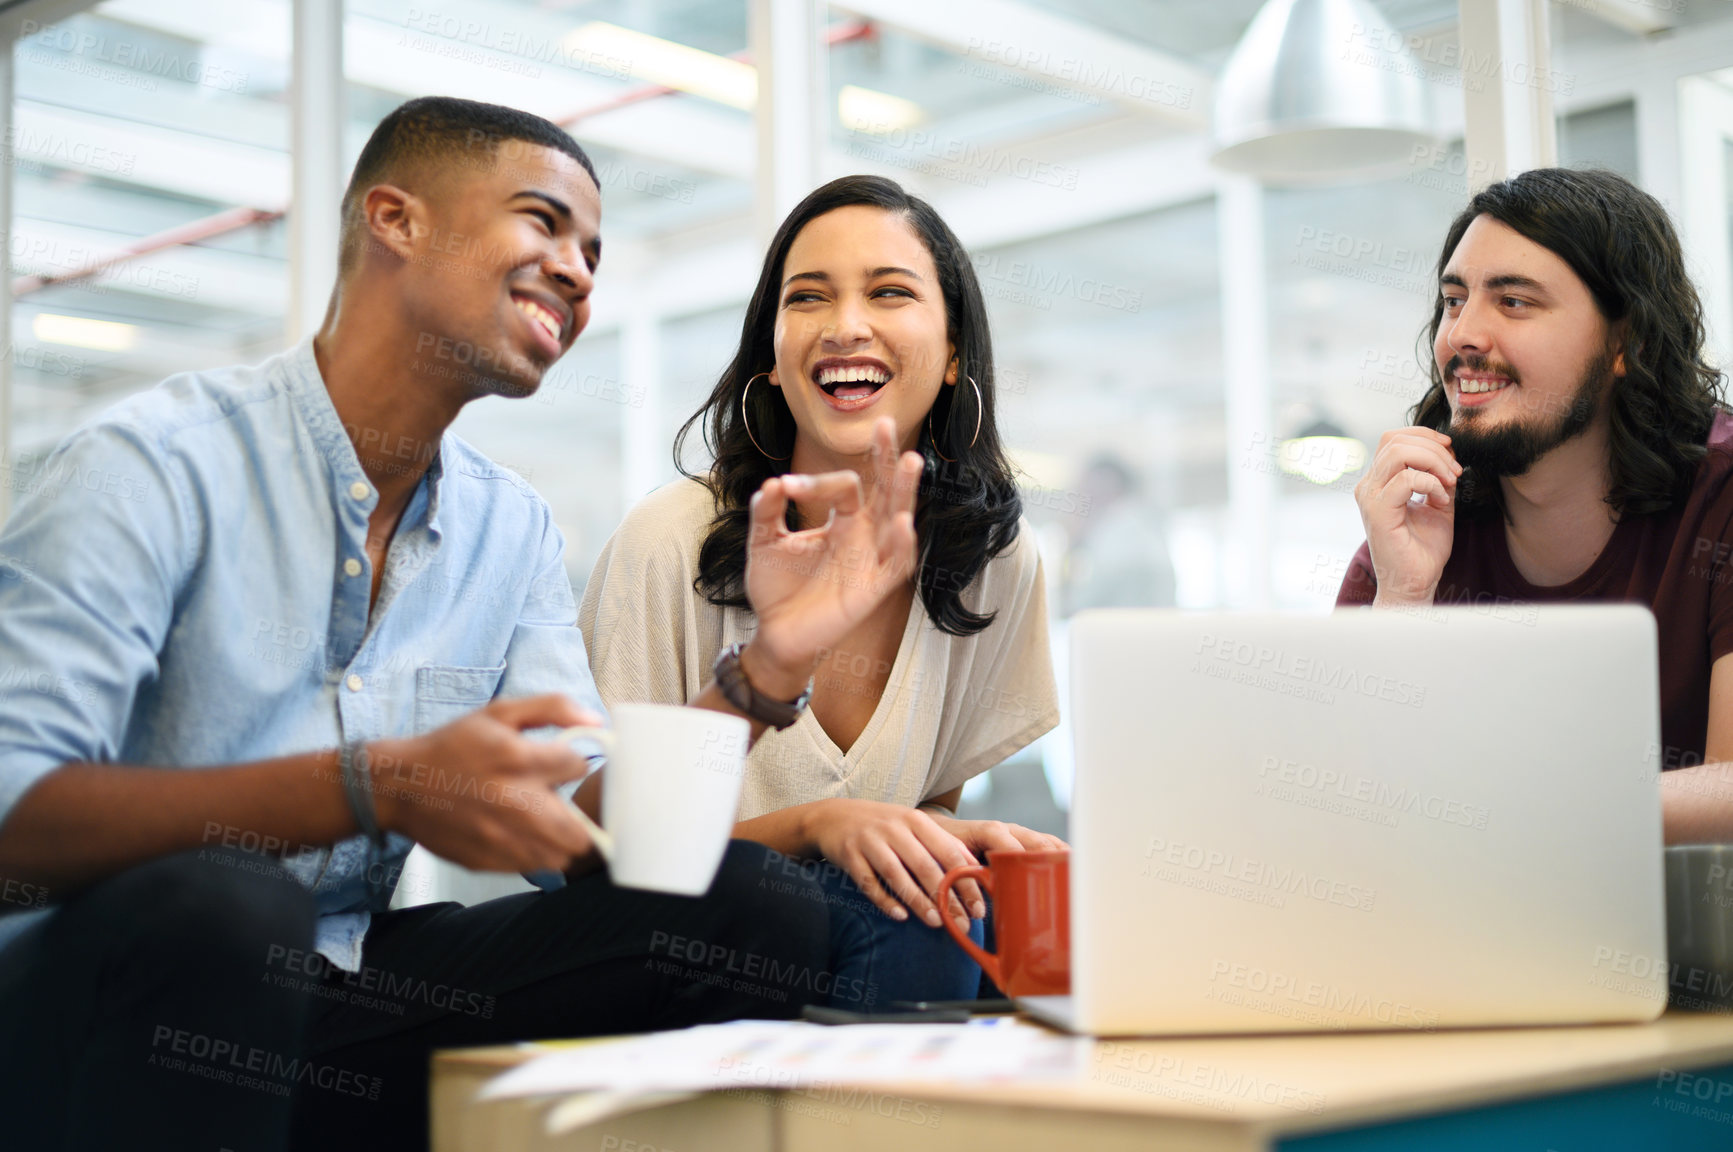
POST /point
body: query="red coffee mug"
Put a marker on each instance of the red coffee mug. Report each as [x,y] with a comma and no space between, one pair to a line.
[1031,920]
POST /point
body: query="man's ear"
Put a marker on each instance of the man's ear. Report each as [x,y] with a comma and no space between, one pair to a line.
[1621,338]
[396,219]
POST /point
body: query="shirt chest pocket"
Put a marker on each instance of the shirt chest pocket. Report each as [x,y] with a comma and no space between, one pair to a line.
[444,692]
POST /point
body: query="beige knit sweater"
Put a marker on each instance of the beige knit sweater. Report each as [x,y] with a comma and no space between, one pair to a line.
[954,706]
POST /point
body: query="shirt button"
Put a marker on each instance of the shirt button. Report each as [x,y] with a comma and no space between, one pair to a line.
[354,682]
[359,490]
[352,567]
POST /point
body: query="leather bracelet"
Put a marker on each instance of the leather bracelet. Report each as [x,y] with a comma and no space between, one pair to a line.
[352,764]
[738,690]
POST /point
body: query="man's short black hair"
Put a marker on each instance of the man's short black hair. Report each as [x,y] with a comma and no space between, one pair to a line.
[431,133]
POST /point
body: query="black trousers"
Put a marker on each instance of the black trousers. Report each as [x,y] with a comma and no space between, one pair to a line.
[179,1005]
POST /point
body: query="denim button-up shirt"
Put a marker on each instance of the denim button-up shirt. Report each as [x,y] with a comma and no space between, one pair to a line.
[185,583]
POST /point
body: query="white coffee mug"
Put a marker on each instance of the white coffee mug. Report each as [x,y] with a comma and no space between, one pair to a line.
[670,794]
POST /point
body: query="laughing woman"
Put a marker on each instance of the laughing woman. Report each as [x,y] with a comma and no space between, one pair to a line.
[867,308]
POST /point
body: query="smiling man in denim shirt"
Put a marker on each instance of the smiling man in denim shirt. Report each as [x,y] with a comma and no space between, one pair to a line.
[294,580]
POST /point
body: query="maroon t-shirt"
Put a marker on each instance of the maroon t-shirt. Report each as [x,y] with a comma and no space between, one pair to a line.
[1678,562]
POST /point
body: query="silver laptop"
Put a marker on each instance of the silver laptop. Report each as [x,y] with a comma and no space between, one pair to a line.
[1368,820]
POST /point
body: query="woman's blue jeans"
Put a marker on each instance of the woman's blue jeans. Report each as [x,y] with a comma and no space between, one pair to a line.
[879,961]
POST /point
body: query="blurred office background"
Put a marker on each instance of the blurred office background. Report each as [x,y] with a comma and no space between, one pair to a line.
[1168,335]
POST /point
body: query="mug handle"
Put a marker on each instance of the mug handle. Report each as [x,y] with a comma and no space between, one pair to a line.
[598,835]
[982,875]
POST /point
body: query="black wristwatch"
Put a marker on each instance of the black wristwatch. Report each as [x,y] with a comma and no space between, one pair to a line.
[738,691]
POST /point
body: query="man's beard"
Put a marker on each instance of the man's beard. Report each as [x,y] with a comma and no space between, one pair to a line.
[1512,447]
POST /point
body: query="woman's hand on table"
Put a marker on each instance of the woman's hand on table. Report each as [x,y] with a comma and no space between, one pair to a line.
[896,855]
[983,836]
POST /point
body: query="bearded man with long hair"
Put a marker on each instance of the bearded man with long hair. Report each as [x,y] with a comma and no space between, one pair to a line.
[1572,446]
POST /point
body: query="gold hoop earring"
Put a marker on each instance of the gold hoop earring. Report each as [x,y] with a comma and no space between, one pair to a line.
[953,416]
[747,422]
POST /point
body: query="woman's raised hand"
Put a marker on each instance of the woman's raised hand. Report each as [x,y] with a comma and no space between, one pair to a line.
[810,588]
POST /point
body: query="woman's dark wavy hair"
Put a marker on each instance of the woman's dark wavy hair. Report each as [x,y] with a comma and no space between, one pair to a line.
[966,512]
[1620,243]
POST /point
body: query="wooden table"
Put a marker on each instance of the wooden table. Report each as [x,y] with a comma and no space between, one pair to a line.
[1667,1085]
